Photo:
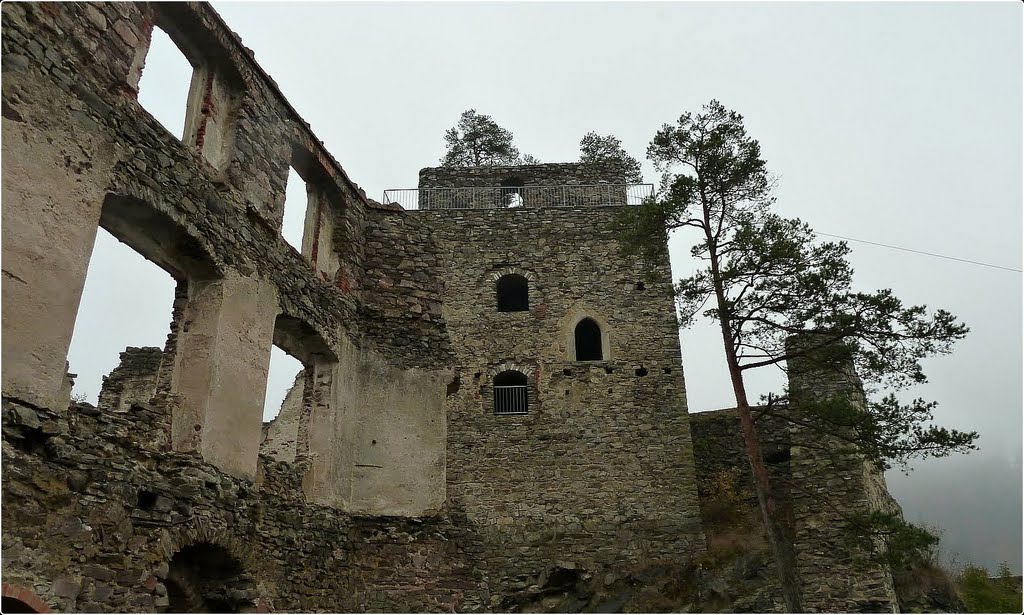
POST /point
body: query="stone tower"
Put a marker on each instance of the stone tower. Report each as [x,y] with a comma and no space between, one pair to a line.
[568,436]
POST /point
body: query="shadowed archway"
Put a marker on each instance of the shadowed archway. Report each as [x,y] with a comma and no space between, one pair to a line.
[206,578]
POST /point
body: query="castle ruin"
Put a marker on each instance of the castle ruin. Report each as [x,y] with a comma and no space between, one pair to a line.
[492,397]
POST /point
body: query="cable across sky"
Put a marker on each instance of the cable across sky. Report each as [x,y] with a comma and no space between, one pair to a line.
[952,258]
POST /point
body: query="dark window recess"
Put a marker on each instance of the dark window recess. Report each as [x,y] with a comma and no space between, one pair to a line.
[512,192]
[513,293]
[13,605]
[588,341]
[640,286]
[147,499]
[641,371]
[779,456]
[510,393]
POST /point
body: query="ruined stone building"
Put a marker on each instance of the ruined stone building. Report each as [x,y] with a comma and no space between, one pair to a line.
[492,396]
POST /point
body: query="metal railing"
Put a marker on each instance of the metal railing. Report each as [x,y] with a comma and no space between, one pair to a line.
[508,197]
[510,399]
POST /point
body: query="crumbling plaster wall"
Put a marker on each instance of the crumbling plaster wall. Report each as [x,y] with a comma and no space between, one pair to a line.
[80,152]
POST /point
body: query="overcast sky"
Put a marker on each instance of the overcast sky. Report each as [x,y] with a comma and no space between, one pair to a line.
[891,123]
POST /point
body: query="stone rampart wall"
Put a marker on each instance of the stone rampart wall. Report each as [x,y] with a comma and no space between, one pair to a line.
[821,485]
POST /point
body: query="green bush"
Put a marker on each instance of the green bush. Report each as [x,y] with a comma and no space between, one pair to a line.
[983,594]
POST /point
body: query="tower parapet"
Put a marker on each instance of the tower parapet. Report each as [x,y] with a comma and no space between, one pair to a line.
[566,184]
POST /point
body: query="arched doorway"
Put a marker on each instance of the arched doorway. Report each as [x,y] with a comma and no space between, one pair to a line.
[18,599]
[13,605]
[206,578]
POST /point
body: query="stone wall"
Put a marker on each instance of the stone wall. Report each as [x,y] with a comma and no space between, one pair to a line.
[721,459]
[566,184]
[838,569]
[133,380]
[550,174]
[93,521]
[599,472]
[401,489]
[820,485]
[79,153]
[280,435]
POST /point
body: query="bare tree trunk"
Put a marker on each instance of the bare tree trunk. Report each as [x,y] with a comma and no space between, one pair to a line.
[781,549]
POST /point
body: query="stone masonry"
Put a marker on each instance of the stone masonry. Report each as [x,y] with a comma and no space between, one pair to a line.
[599,472]
[388,482]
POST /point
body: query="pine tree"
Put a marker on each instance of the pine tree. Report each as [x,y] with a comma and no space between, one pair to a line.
[595,148]
[767,281]
[477,140]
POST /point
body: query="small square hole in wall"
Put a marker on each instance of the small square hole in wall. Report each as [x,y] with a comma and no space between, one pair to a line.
[165,82]
[296,201]
[284,383]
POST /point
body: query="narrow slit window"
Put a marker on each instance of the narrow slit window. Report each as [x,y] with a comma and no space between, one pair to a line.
[588,341]
[165,83]
[513,293]
[296,200]
[510,393]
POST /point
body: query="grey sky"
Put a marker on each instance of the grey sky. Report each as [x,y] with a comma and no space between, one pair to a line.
[894,123]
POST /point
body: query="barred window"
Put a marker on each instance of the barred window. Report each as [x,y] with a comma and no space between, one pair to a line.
[513,293]
[588,340]
[510,393]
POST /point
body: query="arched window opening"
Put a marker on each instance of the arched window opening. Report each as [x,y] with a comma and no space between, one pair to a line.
[588,341]
[513,293]
[510,393]
[512,192]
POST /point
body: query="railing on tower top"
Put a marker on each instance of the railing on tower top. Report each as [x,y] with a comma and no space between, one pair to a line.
[501,197]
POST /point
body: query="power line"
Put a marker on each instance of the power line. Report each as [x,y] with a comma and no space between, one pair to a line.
[952,258]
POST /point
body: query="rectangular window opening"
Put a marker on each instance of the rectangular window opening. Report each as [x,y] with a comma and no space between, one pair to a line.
[296,201]
[284,385]
[127,301]
[165,83]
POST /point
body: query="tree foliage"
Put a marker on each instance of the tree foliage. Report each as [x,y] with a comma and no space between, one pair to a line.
[984,594]
[778,281]
[477,140]
[766,281]
[595,148]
